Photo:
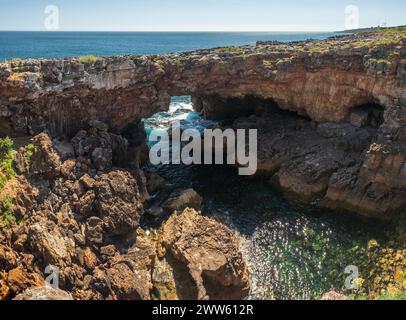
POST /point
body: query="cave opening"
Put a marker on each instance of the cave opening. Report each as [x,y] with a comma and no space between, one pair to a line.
[367,115]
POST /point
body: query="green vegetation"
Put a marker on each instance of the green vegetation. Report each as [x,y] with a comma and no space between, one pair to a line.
[230,49]
[30,149]
[395,296]
[176,61]
[89,59]
[14,60]
[7,213]
[7,155]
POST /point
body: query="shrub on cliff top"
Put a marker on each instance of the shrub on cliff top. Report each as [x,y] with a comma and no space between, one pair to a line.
[7,155]
[89,59]
[230,49]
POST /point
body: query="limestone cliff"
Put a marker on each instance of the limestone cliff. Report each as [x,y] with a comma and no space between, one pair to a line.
[330,82]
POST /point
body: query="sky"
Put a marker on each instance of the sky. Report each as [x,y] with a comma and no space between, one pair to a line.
[199,15]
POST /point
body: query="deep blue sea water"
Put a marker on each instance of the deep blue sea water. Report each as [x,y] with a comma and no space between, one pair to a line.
[67,44]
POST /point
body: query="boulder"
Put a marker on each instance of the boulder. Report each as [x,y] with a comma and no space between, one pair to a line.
[49,245]
[180,200]
[205,254]
[118,202]
[155,182]
[130,274]
[45,161]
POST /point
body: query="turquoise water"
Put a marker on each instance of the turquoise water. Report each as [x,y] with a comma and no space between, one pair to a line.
[293,252]
[67,44]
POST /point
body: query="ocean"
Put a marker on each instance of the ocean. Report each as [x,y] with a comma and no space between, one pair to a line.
[69,44]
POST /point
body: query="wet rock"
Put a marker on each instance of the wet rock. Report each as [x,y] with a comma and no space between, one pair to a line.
[205,254]
[180,200]
[163,278]
[155,182]
[44,293]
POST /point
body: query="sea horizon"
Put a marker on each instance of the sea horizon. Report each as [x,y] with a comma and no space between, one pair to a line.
[61,44]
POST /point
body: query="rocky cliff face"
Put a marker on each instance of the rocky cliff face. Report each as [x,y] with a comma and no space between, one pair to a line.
[71,209]
[335,83]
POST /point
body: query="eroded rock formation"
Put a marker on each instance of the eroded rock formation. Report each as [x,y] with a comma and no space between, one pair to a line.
[343,84]
[78,219]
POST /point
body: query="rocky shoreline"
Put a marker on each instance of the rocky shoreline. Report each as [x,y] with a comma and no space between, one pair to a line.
[331,133]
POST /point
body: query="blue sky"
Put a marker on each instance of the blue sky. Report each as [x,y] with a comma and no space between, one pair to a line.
[199,15]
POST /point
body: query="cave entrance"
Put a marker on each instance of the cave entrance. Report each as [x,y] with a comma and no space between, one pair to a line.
[181,109]
[218,108]
[367,115]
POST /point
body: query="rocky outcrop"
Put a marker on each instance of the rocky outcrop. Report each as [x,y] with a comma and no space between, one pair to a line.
[75,221]
[342,84]
[376,184]
[205,254]
[182,199]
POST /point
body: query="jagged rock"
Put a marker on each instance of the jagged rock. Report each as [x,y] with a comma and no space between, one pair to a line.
[96,145]
[130,274]
[206,254]
[44,293]
[85,205]
[180,200]
[376,185]
[8,259]
[94,230]
[87,181]
[64,149]
[99,125]
[118,202]
[45,161]
[50,245]
[18,280]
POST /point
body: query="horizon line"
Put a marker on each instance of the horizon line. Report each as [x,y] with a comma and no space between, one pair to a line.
[178,31]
